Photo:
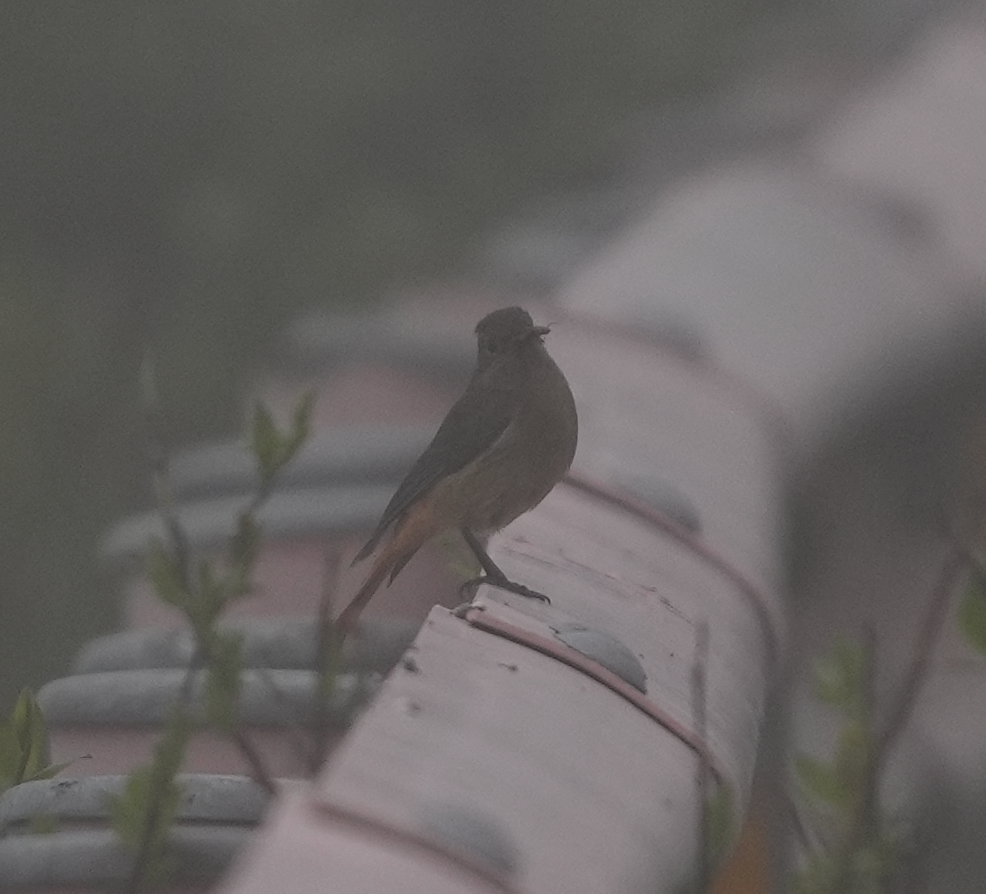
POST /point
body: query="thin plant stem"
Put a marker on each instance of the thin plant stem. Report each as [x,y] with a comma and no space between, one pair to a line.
[928,633]
[703,772]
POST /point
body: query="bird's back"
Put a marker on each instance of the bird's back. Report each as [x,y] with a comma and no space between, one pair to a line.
[475,422]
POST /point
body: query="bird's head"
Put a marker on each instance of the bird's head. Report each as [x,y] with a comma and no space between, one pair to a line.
[506,330]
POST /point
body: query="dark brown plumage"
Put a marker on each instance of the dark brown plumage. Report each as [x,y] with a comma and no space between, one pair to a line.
[502,447]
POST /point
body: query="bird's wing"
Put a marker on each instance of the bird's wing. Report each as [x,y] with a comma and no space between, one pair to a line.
[473,424]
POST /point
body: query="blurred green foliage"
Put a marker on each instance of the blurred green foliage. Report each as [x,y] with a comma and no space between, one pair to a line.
[857,849]
[189,174]
[24,745]
[144,813]
[972,611]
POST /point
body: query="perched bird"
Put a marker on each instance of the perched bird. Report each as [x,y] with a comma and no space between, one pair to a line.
[502,447]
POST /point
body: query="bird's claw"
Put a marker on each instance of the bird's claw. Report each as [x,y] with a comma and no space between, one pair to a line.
[504,584]
[521,590]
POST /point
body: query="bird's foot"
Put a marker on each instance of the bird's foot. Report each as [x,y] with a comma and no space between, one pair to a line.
[504,583]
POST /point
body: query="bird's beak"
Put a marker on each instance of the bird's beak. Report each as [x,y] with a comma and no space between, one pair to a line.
[541,331]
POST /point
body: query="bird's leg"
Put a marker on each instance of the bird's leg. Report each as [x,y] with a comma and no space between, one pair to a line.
[492,574]
[491,570]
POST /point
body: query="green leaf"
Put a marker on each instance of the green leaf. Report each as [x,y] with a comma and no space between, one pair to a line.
[165,575]
[210,598]
[838,675]
[972,613]
[300,425]
[329,661]
[719,824]
[32,735]
[222,692]
[820,780]
[271,447]
[265,442]
[10,756]
[24,744]
[52,770]
[854,852]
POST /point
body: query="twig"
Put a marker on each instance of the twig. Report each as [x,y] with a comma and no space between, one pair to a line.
[928,632]
[294,724]
[328,655]
[135,881]
[864,811]
[157,450]
[797,821]
[703,772]
[258,771]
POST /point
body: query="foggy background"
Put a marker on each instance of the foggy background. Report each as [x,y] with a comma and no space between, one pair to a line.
[188,176]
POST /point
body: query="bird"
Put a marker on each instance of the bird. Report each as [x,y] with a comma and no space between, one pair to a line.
[500,450]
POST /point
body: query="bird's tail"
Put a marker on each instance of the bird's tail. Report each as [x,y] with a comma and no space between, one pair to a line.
[412,531]
[350,614]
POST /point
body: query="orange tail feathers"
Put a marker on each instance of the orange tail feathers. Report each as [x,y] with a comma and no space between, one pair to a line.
[417,527]
[350,614]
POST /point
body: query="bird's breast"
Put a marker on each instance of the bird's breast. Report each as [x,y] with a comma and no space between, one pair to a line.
[527,460]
